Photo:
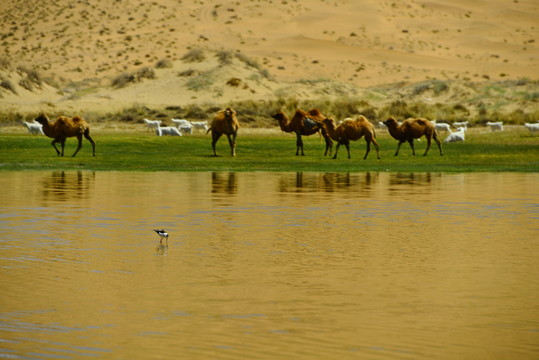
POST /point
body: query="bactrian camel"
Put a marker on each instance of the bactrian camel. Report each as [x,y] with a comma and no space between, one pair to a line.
[65,127]
[304,124]
[351,129]
[411,129]
[224,122]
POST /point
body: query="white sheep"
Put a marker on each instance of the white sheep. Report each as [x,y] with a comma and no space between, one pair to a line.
[34,128]
[200,125]
[495,126]
[152,124]
[179,122]
[532,127]
[463,124]
[167,130]
[456,136]
[183,125]
[442,126]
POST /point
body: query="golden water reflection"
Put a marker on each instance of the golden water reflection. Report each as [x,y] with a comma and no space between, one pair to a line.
[269,265]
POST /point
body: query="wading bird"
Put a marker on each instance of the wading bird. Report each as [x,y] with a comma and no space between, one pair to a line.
[163,234]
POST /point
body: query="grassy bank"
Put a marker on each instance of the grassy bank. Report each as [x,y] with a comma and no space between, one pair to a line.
[515,150]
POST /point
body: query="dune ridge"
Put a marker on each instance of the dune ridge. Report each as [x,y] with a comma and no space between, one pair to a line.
[341,48]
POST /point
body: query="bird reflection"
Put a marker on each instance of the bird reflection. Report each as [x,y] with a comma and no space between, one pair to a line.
[162,249]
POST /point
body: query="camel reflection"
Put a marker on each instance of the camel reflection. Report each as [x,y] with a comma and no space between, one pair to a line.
[410,178]
[66,186]
[360,183]
[414,183]
[224,183]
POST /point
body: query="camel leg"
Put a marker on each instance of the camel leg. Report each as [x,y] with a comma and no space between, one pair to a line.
[428,145]
[63,144]
[299,145]
[215,137]
[232,143]
[329,147]
[329,143]
[398,147]
[336,150]
[79,145]
[439,144]
[347,144]
[87,136]
[411,142]
[53,143]
[368,148]
[377,147]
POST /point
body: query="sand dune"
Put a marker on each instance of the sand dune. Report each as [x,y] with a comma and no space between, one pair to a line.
[80,47]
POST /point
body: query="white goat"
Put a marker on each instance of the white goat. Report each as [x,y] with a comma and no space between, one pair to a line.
[183,125]
[456,136]
[532,127]
[463,124]
[167,130]
[495,126]
[442,126]
[34,128]
[152,124]
[200,125]
[179,122]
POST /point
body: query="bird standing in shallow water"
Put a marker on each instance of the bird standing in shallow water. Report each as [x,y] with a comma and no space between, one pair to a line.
[163,234]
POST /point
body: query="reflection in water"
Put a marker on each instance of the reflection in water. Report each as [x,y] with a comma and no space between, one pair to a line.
[411,178]
[65,186]
[224,182]
[357,183]
[289,260]
[162,249]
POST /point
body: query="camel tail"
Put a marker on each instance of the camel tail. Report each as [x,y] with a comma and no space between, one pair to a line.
[209,129]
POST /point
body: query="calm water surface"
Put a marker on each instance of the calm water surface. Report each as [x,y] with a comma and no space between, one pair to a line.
[269,266]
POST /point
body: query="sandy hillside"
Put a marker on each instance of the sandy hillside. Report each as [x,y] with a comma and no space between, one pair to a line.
[274,48]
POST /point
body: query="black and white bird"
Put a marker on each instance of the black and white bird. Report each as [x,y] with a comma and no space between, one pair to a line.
[163,234]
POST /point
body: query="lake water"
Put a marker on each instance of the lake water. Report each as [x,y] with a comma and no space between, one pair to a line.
[269,265]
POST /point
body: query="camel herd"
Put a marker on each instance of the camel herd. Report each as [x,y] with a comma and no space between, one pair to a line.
[302,123]
[307,123]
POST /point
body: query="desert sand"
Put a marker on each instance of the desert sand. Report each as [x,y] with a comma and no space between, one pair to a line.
[280,48]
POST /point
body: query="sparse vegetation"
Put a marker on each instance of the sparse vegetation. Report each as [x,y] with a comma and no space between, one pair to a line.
[194,55]
[128,78]
[7,84]
[163,64]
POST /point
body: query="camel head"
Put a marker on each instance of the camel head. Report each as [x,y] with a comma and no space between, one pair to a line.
[280,116]
[42,119]
[229,113]
[328,122]
[391,122]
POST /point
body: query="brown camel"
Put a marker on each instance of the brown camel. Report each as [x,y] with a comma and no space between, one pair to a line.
[225,122]
[351,129]
[411,129]
[304,123]
[63,128]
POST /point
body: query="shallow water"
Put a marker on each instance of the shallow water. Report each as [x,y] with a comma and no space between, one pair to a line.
[269,265]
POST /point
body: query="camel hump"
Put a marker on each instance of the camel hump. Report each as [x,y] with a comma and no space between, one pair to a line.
[423,122]
[77,119]
[62,120]
[301,113]
[315,112]
[362,118]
